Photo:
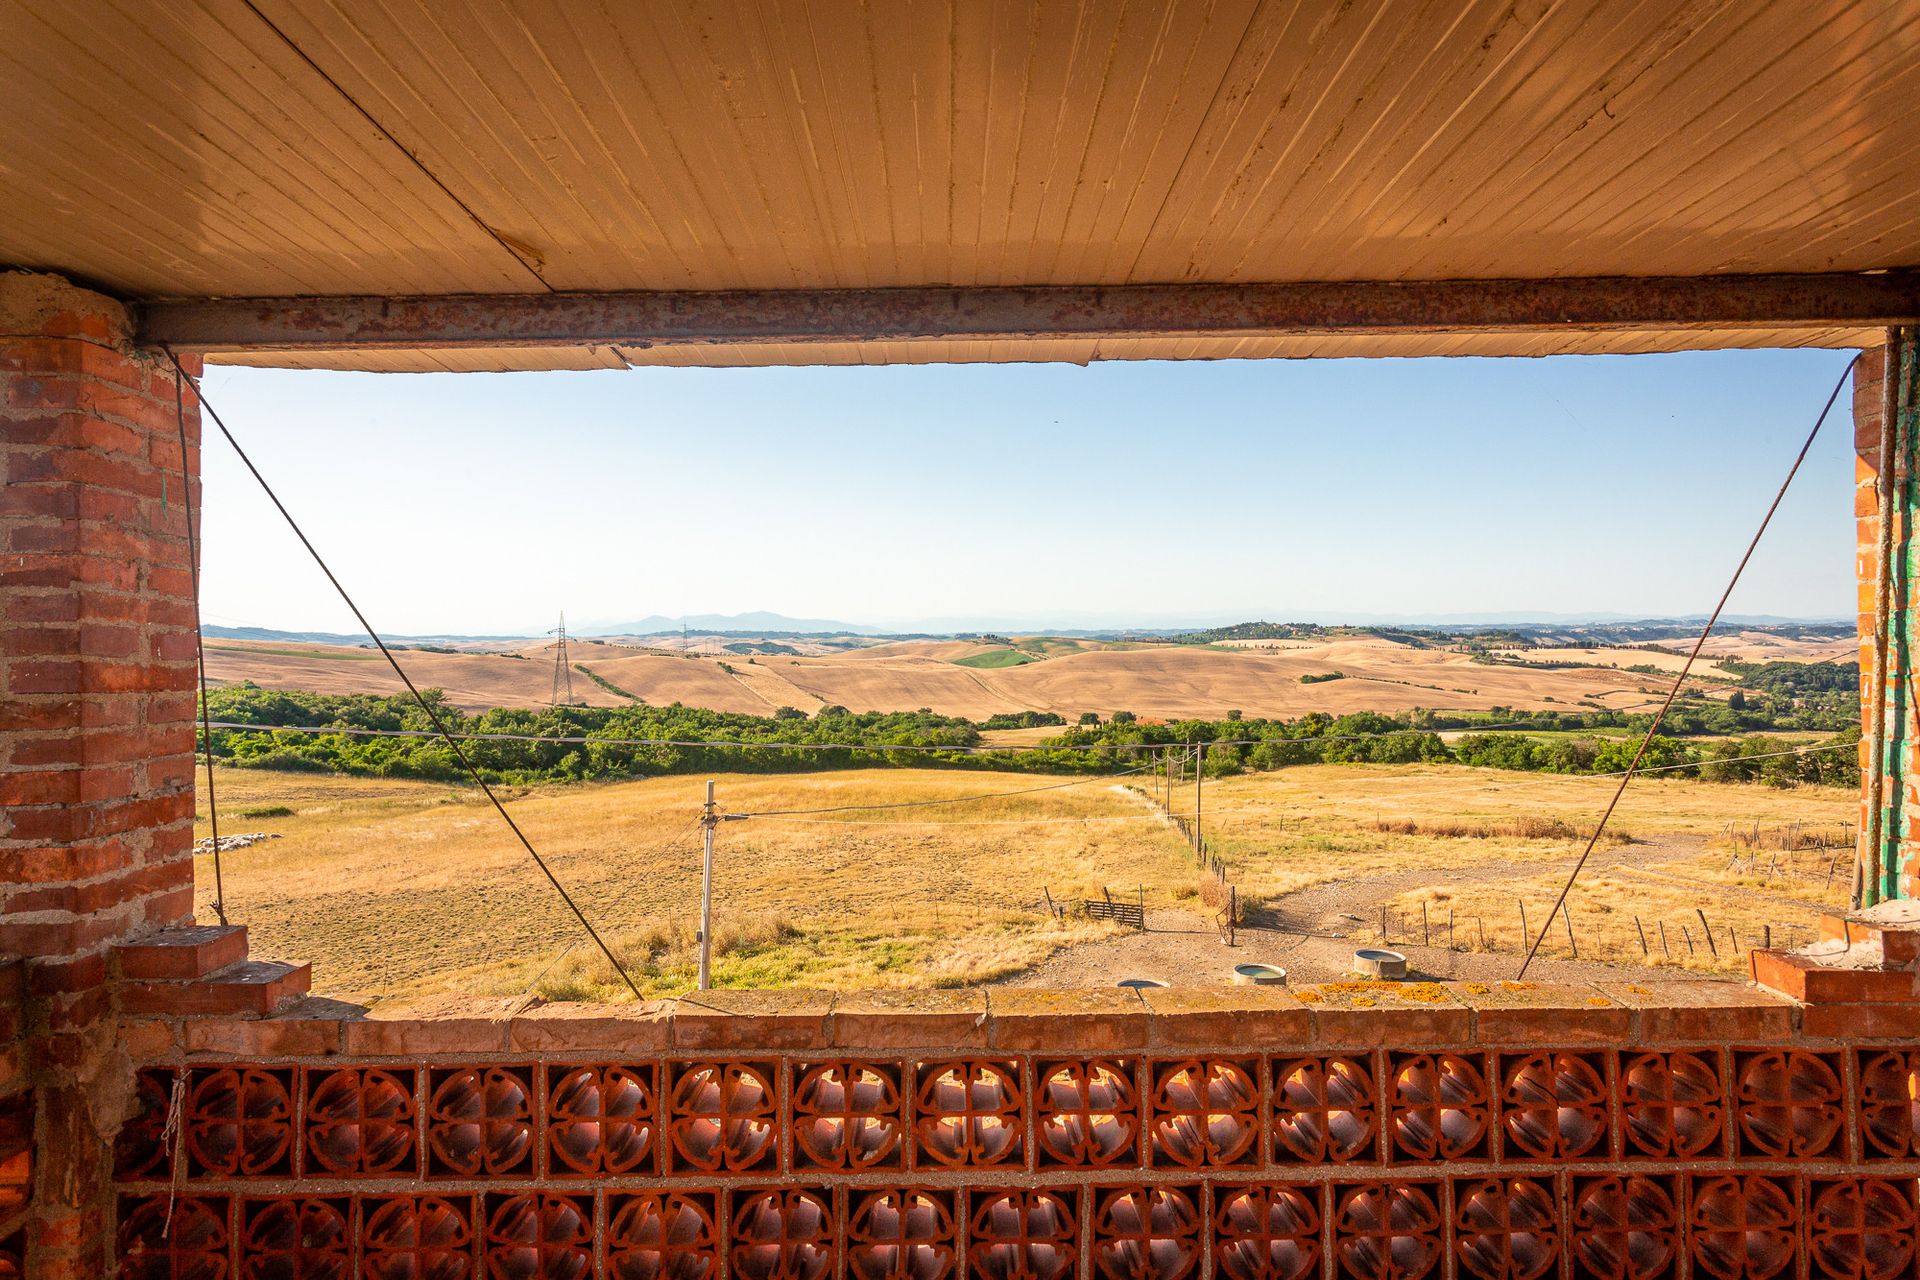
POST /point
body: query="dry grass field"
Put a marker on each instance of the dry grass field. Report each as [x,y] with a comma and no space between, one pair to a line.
[1329,843]
[397,889]
[1068,677]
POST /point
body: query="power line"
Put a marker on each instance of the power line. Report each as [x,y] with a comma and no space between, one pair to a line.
[1681,679]
[405,679]
[921,804]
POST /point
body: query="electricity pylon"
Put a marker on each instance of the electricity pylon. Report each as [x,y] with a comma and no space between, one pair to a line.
[562,670]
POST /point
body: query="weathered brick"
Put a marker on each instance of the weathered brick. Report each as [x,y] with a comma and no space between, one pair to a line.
[288,1035]
[1098,1020]
[751,1019]
[944,1018]
[581,1028]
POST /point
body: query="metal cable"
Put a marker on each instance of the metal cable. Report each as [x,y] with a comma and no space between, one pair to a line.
[432,715]
[921,804]
[199,641]
[1681,680]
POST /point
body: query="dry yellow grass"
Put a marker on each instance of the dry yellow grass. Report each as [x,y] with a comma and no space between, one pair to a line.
[398,886]
[1613,910]
[410,888]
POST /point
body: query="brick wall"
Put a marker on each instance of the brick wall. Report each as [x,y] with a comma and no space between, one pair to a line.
[96,708]
[1900,804]
[1504,1131]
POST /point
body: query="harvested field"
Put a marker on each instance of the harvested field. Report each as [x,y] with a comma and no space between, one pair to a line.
[396,889]
[1155,681]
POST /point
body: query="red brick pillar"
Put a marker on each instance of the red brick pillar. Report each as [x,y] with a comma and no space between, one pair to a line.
[1886,400]
[96,716]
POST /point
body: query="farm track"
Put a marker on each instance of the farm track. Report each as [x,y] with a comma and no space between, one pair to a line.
[1312,932]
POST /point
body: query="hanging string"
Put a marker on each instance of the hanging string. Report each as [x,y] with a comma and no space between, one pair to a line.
[433,716]
[921,804]
[199,641]
[1633,766]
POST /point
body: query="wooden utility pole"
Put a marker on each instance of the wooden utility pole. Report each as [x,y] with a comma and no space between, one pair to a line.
[1199,771]
[708,821]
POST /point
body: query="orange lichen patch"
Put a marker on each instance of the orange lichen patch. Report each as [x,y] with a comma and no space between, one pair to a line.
[1375,994]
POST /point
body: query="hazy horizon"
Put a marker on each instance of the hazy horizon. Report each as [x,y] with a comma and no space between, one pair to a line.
[1034,496]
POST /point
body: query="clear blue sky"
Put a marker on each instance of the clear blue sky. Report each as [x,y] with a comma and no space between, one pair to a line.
[1142,493]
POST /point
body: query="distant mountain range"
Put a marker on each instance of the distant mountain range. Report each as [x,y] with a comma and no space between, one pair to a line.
[763,623]
[757,622]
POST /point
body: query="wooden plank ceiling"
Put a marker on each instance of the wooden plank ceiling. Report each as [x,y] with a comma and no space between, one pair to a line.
[319,147]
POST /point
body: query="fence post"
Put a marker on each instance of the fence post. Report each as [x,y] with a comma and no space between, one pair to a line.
[1706,931]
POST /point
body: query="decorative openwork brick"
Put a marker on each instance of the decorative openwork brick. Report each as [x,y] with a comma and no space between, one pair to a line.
[1324,1111]
[1147,1233]
[1267,1232]
[659,1235]
[902,1233]
[539,1237]
[1440,1106]
[1889,1104]
[1789,1103]
[360,1120]
[416,1237]
[1742,1227]
[240,1122]
[1021,1234]
[1205,1113]
[480,1122]
[1505,1228]
[782,1234]
[1388,1230]
[138,1149]
[968,1114]
[1673,1105]
[1861,1228]
[1087,1114]
[1625,1228]
[723,1117]
[848,1115]
[190,1246]
[601,1120]
[307,1238]
[1553,1106]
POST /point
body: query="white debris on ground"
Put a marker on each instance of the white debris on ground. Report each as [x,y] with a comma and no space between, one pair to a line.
[234,842]
[1836,953]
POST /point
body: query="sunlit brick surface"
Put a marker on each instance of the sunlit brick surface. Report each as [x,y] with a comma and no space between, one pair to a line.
[1626,1163]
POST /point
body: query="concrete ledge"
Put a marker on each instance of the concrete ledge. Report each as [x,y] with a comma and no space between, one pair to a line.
[1088,1022]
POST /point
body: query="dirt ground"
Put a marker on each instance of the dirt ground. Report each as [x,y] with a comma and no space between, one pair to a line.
[1312,933]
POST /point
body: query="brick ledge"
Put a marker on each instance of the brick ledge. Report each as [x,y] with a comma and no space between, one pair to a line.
[1013,1020]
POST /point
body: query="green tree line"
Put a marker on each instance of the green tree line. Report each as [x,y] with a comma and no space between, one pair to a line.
[641,741]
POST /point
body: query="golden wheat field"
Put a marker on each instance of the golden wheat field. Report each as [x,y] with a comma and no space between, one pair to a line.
[1067,677]
[398,889]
